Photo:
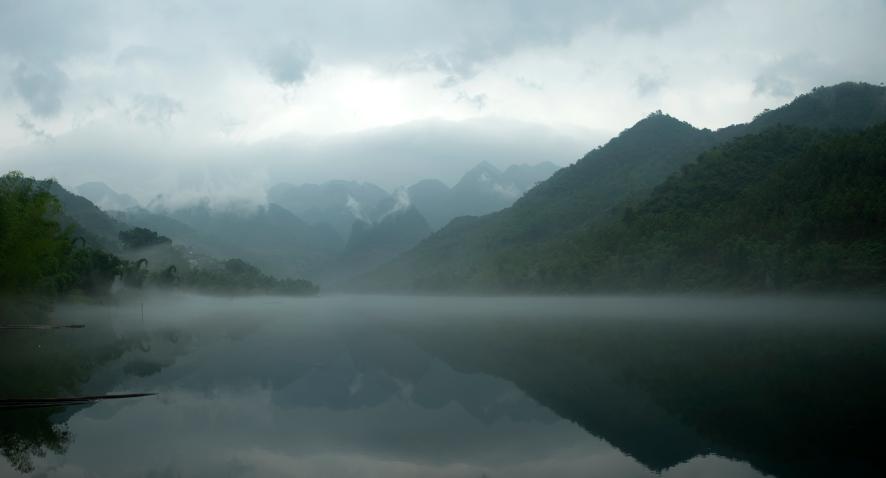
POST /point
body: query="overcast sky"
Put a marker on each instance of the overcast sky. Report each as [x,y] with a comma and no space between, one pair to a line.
[233,95]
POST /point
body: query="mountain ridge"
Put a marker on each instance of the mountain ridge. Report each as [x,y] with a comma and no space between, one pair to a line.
[475,254]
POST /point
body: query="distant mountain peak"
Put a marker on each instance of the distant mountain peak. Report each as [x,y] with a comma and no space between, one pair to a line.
[484,167]
[658,119]
[428,185]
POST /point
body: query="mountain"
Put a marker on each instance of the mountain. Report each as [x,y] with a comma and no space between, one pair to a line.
[106,198]
[846,106]
[88,221]
[337,203]
[490,252]
[371,245]
[482,190]
[269,236]
[525,176]
[199,242]
[429,204]
[55,244]
[177,230]
[431,197]
[787,209]
[467,252]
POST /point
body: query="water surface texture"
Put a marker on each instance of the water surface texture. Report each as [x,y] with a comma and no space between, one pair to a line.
[462,387]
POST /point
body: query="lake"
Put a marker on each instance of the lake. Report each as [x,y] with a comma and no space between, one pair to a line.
[345,386]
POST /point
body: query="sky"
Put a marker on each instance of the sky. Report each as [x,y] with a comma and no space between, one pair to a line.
[229,97]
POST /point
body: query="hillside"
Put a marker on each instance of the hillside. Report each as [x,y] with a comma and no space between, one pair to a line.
[88,221]
[788,209]
[489,253]
[465,253]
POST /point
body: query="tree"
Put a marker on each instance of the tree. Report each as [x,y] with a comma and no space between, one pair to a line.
[139,238]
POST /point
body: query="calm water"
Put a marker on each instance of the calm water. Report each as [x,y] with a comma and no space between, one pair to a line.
[389,387]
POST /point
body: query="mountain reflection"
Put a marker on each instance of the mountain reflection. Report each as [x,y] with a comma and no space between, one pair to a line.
[370,386]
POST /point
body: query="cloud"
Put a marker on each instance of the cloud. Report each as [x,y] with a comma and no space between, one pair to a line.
[41,86]
[32,129]
[168,163]
[478,101]
[649,85]
[454,37]
[527,83]
[52,30]
[773,85]
[157,110]
[396,91]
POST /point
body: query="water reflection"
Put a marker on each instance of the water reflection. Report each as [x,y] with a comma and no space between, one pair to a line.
[352,387]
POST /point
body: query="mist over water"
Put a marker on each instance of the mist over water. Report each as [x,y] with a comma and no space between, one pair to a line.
[449,386]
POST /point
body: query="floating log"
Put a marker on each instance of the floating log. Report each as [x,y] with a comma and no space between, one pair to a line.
[66,401]
[41,327]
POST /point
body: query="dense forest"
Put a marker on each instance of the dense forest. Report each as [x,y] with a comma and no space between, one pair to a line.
[38,255]
[786,209]
[552,237]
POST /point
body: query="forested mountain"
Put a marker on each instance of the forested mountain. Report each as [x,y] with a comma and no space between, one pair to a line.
[553,219]
[844,106]
[786,209]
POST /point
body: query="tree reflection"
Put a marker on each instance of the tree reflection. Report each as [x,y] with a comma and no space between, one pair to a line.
[791,397]
[47,363]
[25,434]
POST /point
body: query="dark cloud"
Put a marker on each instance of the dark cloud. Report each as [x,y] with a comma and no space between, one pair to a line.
[41,86]
[454,37]
[288,65]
